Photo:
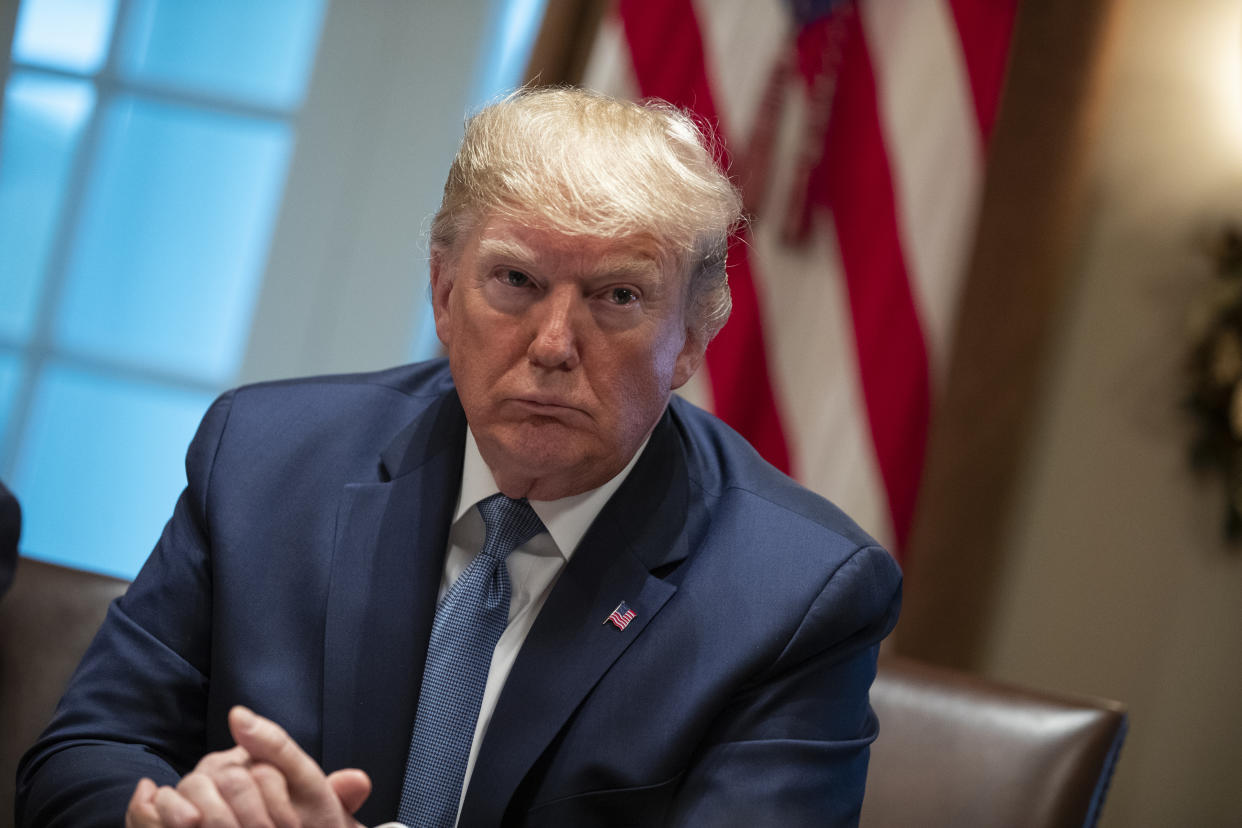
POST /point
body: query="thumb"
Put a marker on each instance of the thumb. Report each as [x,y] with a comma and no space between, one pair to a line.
[352,787]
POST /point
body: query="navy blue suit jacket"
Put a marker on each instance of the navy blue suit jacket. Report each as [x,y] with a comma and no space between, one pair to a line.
[298,575]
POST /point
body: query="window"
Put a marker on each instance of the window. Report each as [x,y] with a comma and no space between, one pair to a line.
[147,160]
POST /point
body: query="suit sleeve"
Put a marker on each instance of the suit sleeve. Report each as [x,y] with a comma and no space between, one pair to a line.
[136,706]
[791,749]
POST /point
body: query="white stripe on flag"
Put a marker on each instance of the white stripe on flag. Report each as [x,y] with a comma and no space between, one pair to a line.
[934,150]
[742,39]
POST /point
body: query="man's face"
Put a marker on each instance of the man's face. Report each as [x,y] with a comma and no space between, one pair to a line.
[564,350]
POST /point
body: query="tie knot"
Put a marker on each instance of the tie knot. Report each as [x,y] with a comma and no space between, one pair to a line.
[510,523]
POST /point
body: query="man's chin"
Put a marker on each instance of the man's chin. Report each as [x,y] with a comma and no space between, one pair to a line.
[544,463]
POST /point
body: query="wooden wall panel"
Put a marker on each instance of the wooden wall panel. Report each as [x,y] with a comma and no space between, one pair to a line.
[1030,222]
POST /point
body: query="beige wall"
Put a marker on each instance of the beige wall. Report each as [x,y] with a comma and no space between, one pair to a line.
[1117,582]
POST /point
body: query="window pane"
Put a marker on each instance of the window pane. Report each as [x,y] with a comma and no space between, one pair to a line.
[255,52]
[66,34]
[10,370]
[43,120]
[173,239]
[101,467]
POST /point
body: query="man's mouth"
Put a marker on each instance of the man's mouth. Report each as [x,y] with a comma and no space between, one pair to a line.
[547,405]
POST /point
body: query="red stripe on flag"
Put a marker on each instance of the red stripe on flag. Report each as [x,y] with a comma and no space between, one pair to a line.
[738,366]
[666,48]
[857,183]
[985,28]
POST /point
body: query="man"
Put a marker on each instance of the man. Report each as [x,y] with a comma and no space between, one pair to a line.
[685,636]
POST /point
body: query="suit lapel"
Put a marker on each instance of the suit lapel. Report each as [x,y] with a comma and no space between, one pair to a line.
[389,555]
[570,647]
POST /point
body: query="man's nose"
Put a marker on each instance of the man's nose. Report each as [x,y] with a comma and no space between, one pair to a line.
[555,344]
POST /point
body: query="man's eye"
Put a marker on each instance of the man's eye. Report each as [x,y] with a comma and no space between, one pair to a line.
[622,296]
[515,278]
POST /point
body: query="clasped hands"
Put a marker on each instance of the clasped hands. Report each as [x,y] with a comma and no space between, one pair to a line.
[266,781]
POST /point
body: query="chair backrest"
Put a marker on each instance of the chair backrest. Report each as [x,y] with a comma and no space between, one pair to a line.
[956,749]
[47,620]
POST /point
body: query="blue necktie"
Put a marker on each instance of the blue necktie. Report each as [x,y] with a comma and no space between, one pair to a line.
[468,623]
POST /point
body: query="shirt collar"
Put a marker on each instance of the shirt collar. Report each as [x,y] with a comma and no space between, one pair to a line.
[566,520]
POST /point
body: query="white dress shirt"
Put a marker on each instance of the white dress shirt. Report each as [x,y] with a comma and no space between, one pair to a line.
[533,567]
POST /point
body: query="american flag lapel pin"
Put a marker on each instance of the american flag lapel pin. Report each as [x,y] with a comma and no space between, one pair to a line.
[621,616]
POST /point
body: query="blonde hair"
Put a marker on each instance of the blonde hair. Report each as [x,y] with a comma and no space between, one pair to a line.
[583,163]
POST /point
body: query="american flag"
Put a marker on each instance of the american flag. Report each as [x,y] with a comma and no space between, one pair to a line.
[621,616]
[857,130]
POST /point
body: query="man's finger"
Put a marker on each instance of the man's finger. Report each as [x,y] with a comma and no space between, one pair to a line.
[241,792]
[214,761]
[200,790]
[267,741]
[275,792]
[175,811]
[352,787]
[141,812]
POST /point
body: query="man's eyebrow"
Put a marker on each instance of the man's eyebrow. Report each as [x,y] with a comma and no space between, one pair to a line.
[624,266]
[494,248]
[621,265]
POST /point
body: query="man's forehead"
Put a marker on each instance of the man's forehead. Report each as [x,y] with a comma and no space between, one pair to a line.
[504,239]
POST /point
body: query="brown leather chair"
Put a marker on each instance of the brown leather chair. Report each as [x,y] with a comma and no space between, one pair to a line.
[959,750]
[46,621]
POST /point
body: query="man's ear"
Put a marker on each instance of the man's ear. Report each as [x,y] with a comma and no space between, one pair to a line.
[689,360]
[441,288]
